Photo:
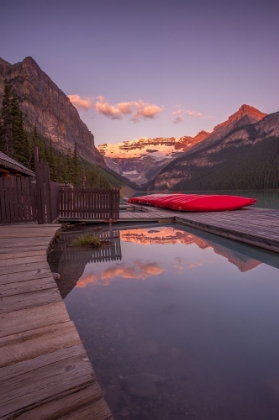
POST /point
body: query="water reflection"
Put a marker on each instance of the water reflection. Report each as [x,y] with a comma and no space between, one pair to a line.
[244,257]
[70,261]
[185,327]
[138,270]
[173,235]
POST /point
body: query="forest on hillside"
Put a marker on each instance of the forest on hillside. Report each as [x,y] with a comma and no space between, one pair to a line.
[18,143]
[249,167]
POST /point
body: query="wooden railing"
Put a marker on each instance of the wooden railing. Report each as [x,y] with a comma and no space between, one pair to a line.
[85,203]
[23,199]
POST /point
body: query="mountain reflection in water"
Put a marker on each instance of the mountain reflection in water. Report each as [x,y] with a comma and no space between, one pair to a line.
[172,235]
[70,262]
[178,324]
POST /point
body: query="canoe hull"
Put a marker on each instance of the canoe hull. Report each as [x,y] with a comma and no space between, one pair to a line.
[195,202]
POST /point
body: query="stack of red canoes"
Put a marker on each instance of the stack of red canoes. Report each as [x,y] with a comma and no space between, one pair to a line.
[194,202]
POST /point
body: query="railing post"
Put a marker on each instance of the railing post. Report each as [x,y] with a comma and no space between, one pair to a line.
[43,192]
[38,187]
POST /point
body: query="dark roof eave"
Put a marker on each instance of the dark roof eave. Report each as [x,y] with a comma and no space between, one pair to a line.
[16,168]
[9,163]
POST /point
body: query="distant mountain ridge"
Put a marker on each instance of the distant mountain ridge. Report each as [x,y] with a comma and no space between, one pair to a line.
[170,163]
[248,112]
[241,153]
[46,106]
[139,160]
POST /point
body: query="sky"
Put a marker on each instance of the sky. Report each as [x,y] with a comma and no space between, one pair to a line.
[153,68]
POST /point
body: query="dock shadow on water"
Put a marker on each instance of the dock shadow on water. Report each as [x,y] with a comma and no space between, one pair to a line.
[178,324]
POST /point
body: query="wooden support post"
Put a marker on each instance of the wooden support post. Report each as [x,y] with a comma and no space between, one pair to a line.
[38,186]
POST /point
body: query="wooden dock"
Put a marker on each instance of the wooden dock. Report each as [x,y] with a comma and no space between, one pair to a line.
[254,226]
[44,370]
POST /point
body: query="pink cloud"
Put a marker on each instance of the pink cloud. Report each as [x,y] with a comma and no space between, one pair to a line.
[193,113]
[198,115]
[81,103]
[145,110]
[125,107]
[195,265]
[139,109]
[177,116]
[108,110]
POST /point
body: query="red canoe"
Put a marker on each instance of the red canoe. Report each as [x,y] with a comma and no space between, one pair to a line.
[195,202]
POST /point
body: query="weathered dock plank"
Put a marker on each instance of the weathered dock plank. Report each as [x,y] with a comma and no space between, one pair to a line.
[29,344]
[19,287]
[31,318]
[28,299]
[44,377]
[44,370]
[18,268]
[26,275]
[8,243]
[11,253]
[4,262]
[77,405]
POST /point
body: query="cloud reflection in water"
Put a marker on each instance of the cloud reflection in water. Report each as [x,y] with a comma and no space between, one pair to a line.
[139,270]
[165,235]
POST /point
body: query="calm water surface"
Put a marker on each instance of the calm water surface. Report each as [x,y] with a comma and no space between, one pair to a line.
[180,325]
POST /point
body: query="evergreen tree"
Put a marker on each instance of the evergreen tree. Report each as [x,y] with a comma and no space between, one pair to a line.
[6,137]
[82,176]
[51,159]
[21,147]
[60,168]
[1,147]
[69,167]
[35,137]
[15,143]
[76,168]
[104,183]
[35,141]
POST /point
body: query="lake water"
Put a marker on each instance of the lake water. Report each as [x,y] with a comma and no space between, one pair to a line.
[178,324]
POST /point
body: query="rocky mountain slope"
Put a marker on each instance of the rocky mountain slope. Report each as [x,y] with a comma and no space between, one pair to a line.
[47,107]
[140,160]
[241,153]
